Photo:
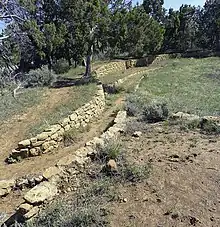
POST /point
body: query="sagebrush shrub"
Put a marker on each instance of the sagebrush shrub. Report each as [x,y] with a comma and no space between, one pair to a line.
[39,77]
[155,111]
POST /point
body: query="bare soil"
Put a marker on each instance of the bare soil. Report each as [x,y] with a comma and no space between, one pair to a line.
[183,188]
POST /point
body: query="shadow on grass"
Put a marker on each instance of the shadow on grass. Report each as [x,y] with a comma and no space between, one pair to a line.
[69,82]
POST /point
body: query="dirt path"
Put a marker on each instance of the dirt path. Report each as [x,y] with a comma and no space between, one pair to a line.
[183,186]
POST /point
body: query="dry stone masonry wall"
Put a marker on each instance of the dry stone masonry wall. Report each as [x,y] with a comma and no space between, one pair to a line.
[72,165]
[53,135]
[111,67]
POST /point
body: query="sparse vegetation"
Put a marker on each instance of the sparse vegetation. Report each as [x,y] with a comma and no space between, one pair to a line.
[81,94]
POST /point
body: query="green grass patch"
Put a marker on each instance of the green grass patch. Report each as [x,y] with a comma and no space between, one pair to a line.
[79,95]
[187,85]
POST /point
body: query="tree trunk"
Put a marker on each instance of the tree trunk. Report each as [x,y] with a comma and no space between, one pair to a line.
[88,72]
[88,66]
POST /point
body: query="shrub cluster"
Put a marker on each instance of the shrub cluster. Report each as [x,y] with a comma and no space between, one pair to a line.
[61,66]
[38,77]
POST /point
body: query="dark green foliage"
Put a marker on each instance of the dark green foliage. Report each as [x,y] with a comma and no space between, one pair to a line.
[61,66]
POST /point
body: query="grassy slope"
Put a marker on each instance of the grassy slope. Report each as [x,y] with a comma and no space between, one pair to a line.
[78,96]
[28,98]
[188,85]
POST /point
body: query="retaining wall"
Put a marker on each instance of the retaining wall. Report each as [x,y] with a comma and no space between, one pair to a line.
[51,137]
[73,164]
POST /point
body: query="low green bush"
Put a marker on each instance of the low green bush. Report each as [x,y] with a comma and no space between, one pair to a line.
[61,66]
[155,111]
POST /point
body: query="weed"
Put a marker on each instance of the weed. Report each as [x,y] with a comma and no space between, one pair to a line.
[110,150]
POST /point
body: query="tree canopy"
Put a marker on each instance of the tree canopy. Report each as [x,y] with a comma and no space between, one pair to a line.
[41,32]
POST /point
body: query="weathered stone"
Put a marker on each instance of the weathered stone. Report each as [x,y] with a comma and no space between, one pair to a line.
[40,193]
[39,179]
[67,128]
[77,125]
[51,171]
[185,116]
[137,134]
[66,161]
[34,211]
[61,132]
[33,140]
[120,118]
[37,144]
[42,136]
[35,152]
[48,144]
[53,128]
[49,149]
[23,153]
[24,208]
[21,183]
[24,143]
[111,166]
[55,136]
[6,186]
[73,117]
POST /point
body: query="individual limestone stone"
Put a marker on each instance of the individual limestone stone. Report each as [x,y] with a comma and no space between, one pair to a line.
[51,171]
[185,116]
[33,140]
[61,132]
[55,136]
[42,136]
[24,143]
[65,122]
[23,153]
[111,166]
[121,117]
[67,128]
[137,134]
[35,151]
[49,149]
[66,161]
[53,128]
[73,117]
[37,144]
[24,208]
[48,144]
[34,211]
[6,186]
[40,193]
[39,179]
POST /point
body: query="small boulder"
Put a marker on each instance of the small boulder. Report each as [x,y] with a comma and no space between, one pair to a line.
[6,186]
[137,134]
[111,166]
[40,193]
[24,143]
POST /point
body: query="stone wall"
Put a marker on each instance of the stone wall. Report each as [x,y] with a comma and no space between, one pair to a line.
[73,164]
[111,67]
[51,137]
